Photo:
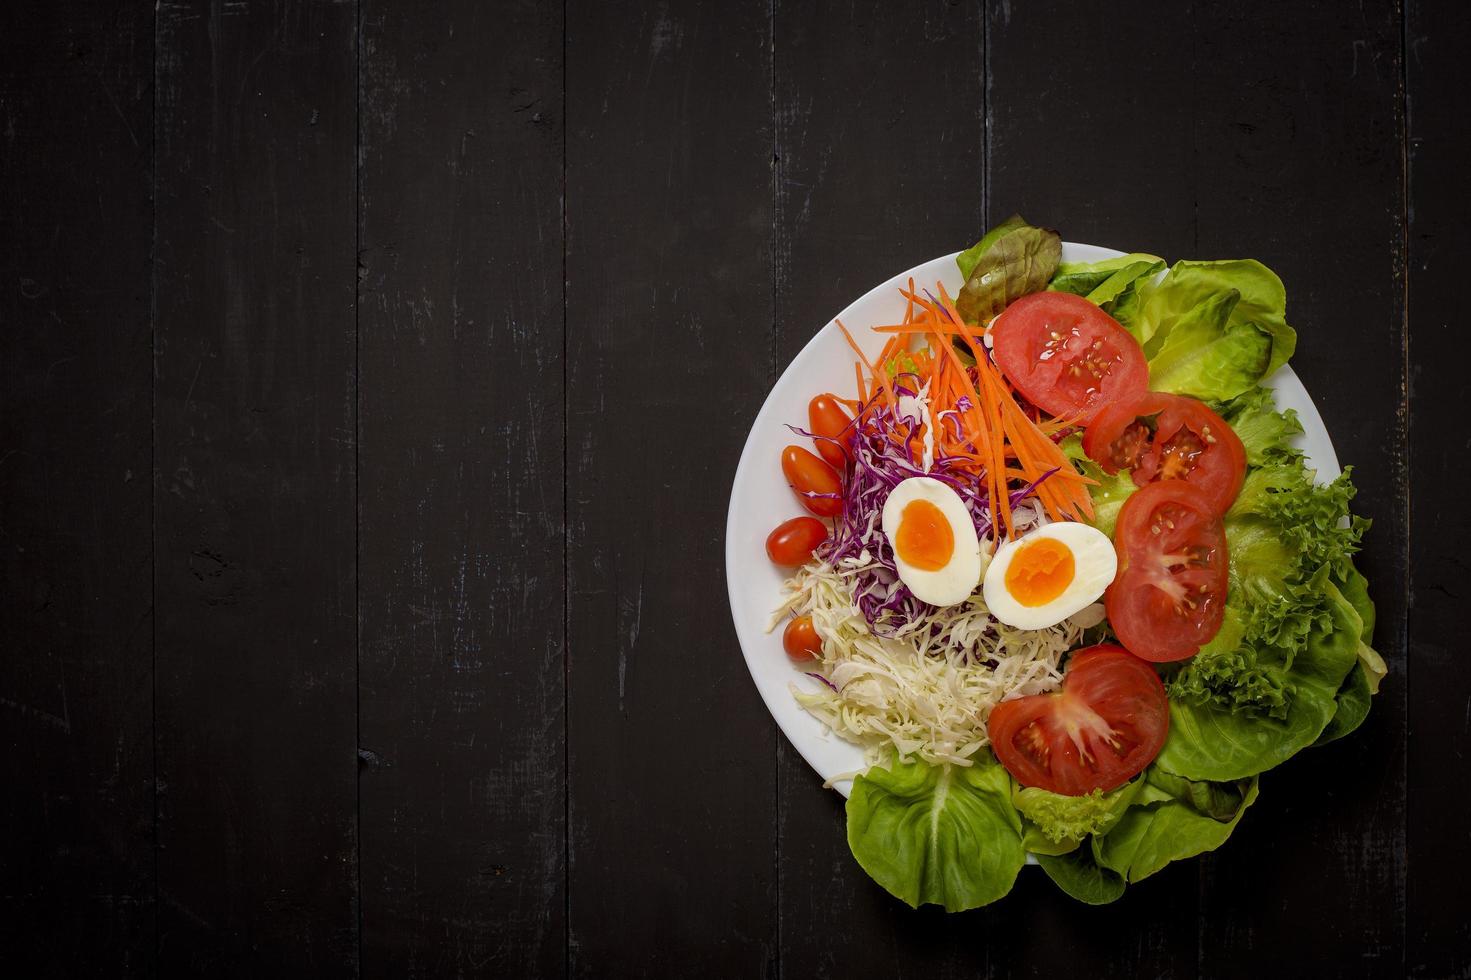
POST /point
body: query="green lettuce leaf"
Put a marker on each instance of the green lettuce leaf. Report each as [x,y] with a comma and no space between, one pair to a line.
[1211,329]
[1211,740]
[1171,819]
[1078,874]
[1103,282]
[967,260]
[1057,824]
[1109,493]
[947,835]
[1012,260]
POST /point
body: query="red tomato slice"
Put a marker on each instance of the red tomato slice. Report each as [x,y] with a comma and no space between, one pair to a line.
[1170,591]
[1067,356]
[1189,442]
[1107,723]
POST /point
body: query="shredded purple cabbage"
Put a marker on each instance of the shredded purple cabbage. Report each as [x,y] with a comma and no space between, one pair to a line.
[813,673]
[878,464]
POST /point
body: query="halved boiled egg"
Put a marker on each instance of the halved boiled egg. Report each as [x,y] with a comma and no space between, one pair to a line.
[1046,576]
[934,539]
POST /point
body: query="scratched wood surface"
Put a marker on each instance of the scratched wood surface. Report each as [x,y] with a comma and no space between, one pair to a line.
[372,376]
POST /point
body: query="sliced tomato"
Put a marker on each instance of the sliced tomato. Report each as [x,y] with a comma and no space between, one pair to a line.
[1169,437]
[1107,723]
[1067,356]
[1170,591]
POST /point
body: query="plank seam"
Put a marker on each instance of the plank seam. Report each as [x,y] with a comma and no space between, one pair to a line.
[357,441]
[566,558]
[153,470]
[776,751]
[1405,446]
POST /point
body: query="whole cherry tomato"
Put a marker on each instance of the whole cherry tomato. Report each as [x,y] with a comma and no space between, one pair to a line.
[800,640]
[792,541]
[807,474]
[827,419]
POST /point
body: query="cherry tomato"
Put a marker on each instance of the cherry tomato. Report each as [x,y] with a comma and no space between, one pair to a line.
[1107,723]
[827,418]
[1189,442]
[1067,356]
[807,474]
[792,541]
[800,640]
[1169,595]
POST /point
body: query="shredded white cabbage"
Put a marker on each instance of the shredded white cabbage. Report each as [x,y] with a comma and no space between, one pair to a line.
[929,691]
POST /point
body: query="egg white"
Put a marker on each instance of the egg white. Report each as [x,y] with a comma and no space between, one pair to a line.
[1095,563]
[958,579]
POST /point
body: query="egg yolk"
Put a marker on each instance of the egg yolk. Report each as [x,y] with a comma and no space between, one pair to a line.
[1039,572]
[925,539]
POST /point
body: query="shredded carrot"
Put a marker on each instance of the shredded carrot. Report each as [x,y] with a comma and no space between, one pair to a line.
[992,432]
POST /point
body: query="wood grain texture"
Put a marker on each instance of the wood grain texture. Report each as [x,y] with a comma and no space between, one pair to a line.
[1233,166]
[461,508]
[879,143]
[358,610]
[1437,214]
[668,324]
[254,502]
[76,865]
[1304,171]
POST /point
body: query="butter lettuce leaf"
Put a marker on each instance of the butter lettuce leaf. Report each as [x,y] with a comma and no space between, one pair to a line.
[946,835]
[1172,818]
[1010,261]
[1080,877]
[1107,282]
[1108,492]
[1211,329]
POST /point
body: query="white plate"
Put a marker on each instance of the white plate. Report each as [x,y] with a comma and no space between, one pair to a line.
[760,498]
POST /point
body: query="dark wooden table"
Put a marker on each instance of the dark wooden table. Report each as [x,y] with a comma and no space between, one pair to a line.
[372,376]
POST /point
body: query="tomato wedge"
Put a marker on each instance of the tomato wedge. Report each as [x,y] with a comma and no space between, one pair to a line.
[1169,595]
[1169,437]
[1067,356]
[1107,723]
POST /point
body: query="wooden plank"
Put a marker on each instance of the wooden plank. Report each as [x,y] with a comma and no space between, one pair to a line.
[1298,162]
[669,309]
[75,528]
[1097,181]
[1438,932]
[879,144]
[461,426]
[256,658]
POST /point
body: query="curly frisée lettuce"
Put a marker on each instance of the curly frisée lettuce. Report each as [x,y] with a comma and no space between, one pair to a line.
[927,691]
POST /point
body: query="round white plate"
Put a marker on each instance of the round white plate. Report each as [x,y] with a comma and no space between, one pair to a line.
[760,498]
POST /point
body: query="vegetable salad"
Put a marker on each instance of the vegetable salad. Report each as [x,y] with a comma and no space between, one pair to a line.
[1064,576]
